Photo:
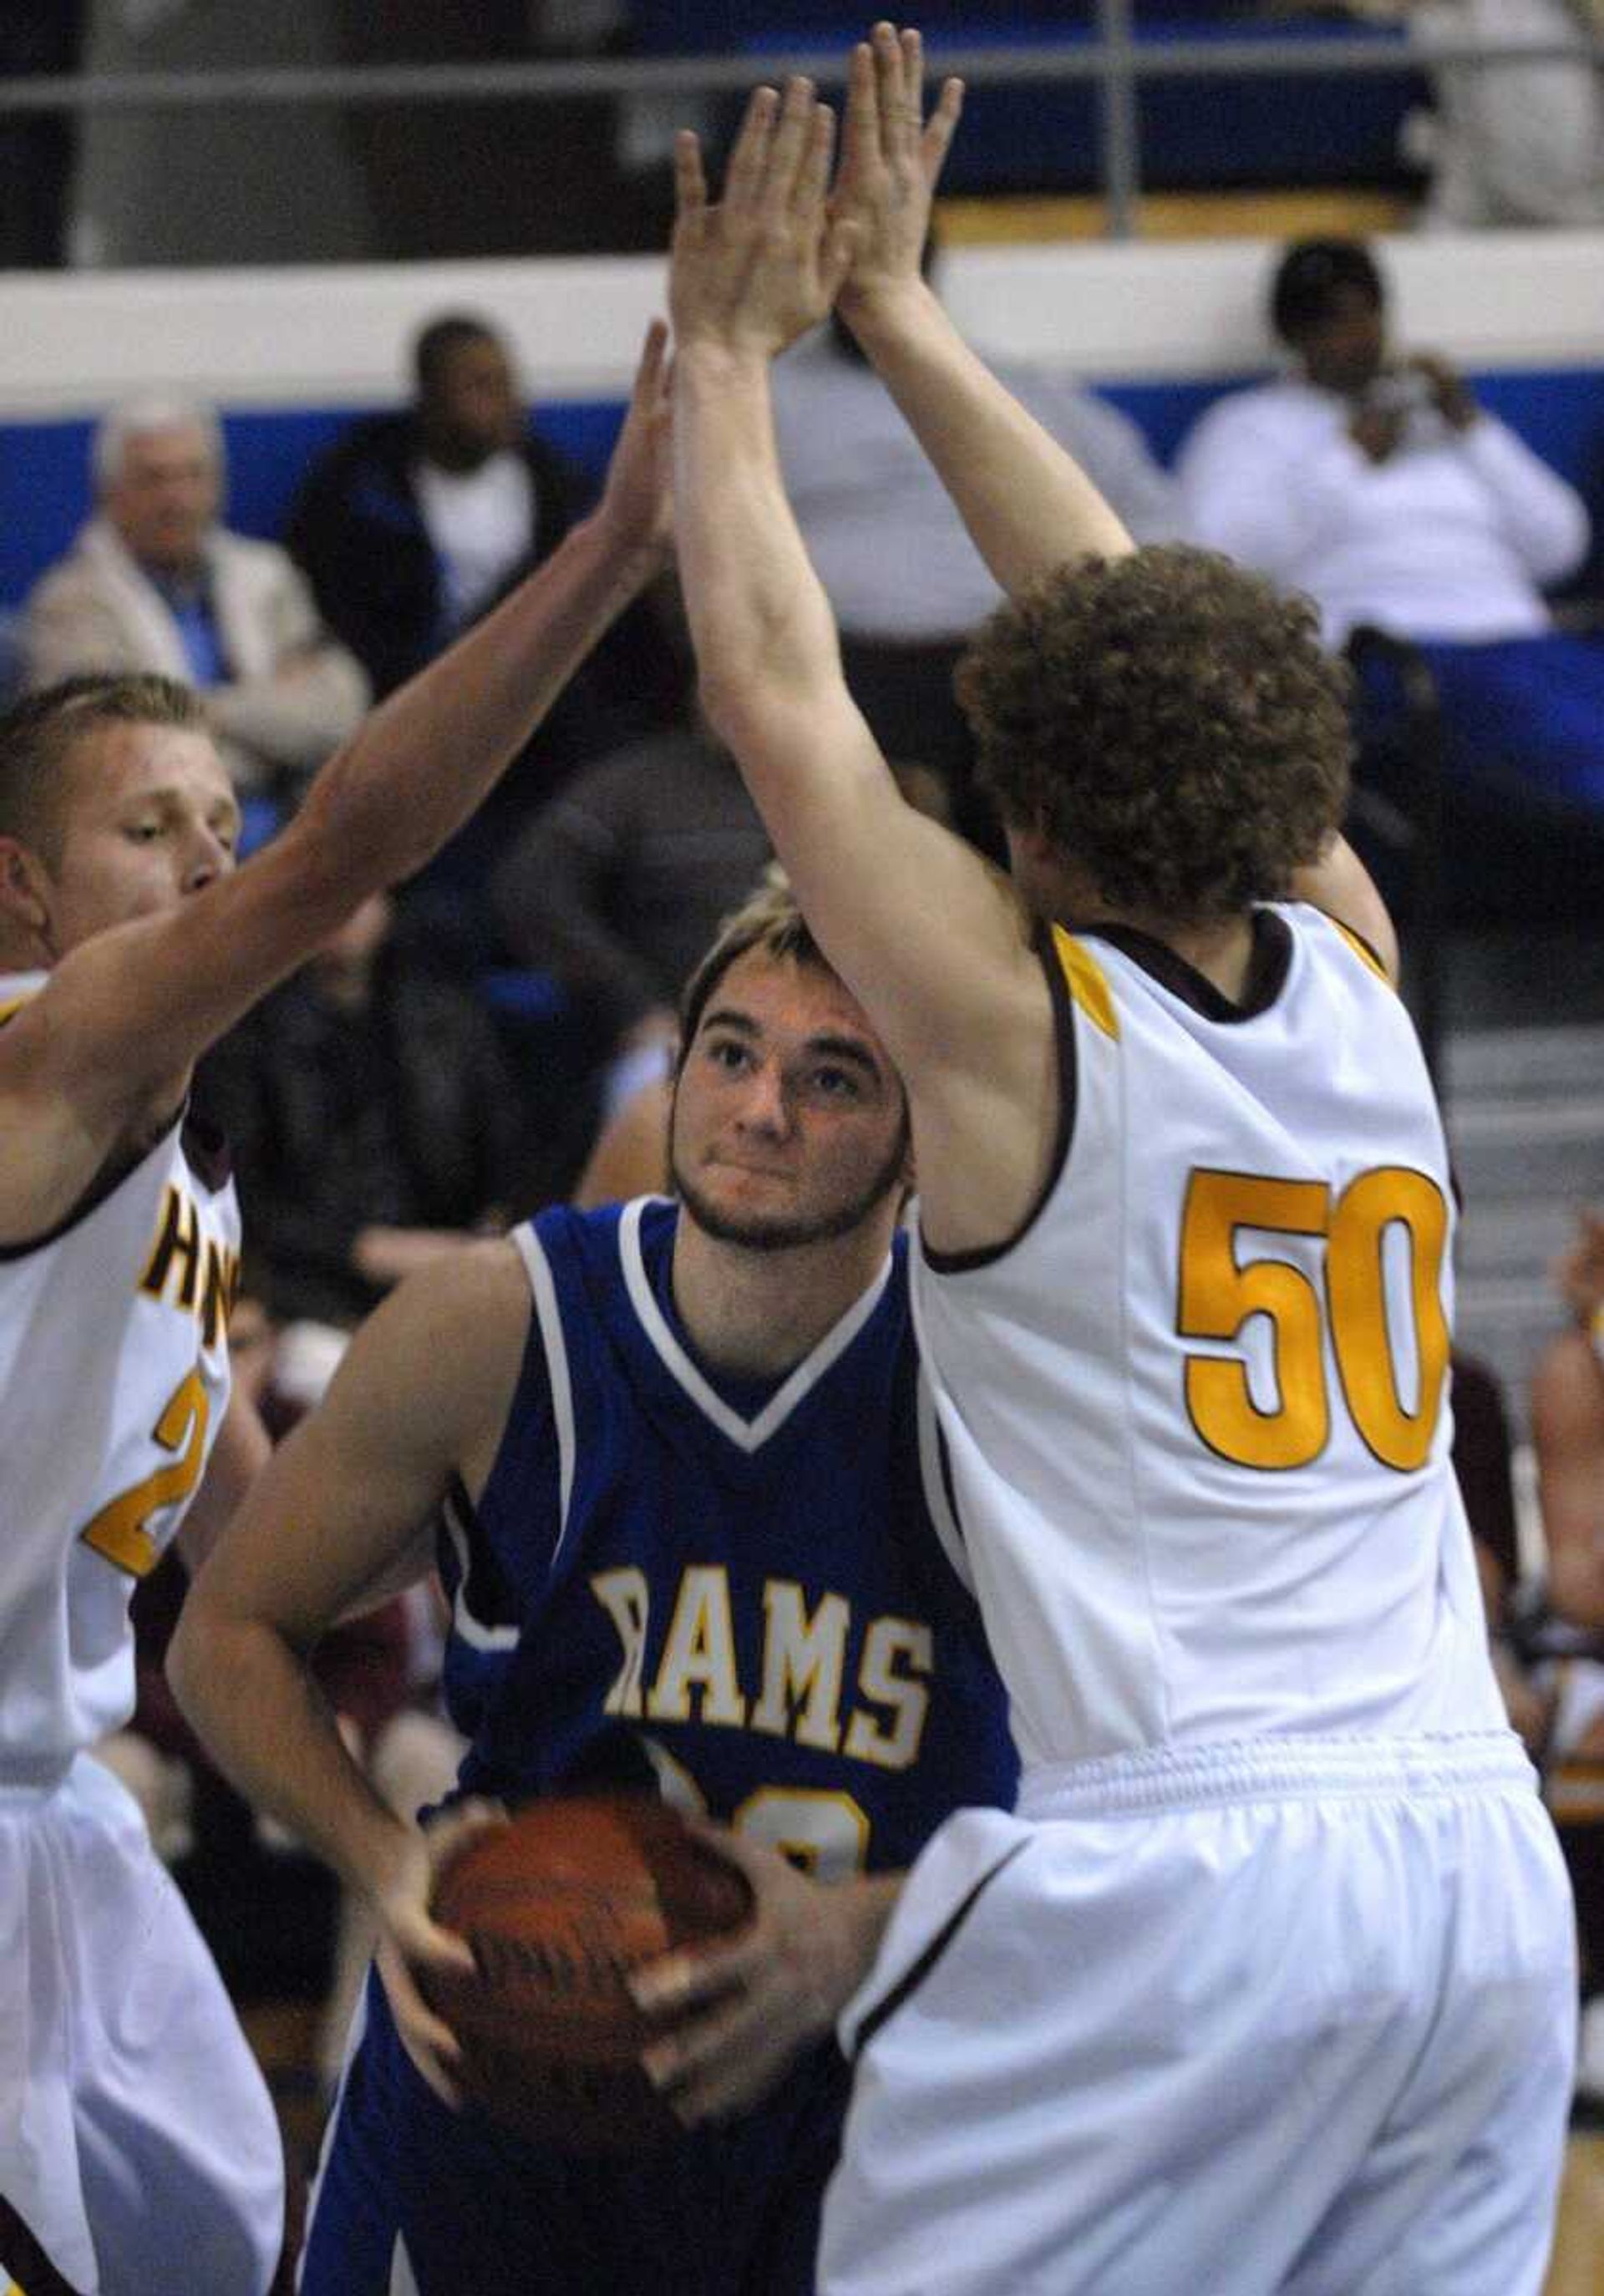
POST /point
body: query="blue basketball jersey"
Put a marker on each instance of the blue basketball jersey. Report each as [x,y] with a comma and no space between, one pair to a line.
[754,1597]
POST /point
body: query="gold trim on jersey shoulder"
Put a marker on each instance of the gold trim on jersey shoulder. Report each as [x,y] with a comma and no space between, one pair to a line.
[1361,950]
[9,1012]
[1087,982]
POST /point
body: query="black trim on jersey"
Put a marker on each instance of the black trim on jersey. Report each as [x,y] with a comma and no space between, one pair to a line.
[956,1263]
[25,2261]
[919,1970]
[207,1152]
[1268,965]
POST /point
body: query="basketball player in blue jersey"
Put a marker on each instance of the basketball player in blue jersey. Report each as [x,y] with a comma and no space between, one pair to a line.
[138,2149]
[1268,1985]
[696,1533]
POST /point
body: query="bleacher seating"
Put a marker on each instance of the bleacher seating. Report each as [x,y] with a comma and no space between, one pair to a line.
[1282,128]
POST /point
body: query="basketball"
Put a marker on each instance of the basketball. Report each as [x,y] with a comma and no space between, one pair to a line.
[559,1906]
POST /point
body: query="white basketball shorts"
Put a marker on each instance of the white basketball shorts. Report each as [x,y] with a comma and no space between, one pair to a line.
[1294,2017]
[138,2145]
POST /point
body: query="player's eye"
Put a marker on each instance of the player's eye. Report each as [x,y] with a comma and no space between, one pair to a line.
[725,1052]
[837,1084]
[142,832]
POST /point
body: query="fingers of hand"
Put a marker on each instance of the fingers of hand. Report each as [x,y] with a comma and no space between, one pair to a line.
[690,181]
[790,151]
[748,162]
[428,2040]
[720,2061]
[811,183]
[938,129]
[861,137]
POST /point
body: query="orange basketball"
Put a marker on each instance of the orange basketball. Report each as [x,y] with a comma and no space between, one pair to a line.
[559,1906]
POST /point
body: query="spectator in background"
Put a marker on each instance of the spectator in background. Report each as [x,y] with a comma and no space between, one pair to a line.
[154,582]
[907,584]
[417,522]
[373,1121]
[1375,482]
[618,884]
[1524,142]
[413,522]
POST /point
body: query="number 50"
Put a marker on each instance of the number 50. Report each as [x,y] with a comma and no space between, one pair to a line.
[1218,1294]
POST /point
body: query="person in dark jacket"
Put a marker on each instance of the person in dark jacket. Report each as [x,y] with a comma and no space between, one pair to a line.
[414,522]
[374,1120]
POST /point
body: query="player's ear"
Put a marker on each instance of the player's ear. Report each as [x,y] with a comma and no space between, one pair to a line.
[24,886]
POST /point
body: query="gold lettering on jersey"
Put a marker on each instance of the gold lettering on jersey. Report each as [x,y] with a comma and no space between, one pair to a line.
[623,1595]
[119,1530]
[803,1693]
[1223,1281]
[700,1654]
[804,1662]
[895,1651]
[207,1274]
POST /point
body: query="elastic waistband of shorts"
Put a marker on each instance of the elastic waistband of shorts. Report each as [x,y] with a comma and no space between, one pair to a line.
[24,1784]
[1276,1770]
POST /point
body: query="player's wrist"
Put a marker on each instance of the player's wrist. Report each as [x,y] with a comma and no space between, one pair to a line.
[883,307]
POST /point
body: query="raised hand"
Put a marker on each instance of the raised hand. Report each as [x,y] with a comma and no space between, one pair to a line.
[891,161]
[638,498]
[764,265]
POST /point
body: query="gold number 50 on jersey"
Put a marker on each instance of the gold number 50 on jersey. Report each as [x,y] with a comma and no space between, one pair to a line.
[1219,1291]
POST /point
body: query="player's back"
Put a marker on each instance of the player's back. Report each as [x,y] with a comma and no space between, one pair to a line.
[1197,1408]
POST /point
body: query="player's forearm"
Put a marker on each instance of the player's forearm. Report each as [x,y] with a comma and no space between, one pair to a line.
[427,754]
[256,1708]
[759,616]
[1027,504]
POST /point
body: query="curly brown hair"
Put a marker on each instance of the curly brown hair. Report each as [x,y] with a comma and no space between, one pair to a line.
[1169,723]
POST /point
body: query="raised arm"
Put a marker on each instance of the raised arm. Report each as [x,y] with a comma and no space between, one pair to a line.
[1026,503]
[930,938]
[125,1014]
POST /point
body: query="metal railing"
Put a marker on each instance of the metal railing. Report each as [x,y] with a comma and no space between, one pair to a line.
[1113,57]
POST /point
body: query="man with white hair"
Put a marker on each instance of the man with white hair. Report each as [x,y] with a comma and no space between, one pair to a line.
[154,582]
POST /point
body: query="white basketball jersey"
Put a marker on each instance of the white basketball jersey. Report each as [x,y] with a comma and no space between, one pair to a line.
[113,1381]
[1197,1410]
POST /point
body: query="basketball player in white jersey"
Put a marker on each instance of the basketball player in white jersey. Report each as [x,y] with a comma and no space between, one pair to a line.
[1269,1983]
[138,2149]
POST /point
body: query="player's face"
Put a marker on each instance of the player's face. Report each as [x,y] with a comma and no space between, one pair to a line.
[165,496]
[149,818]
[789,1125]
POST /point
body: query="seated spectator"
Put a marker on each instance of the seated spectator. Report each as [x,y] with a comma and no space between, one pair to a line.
[1374,481]
[907,584]
[374,1119]
[153,582]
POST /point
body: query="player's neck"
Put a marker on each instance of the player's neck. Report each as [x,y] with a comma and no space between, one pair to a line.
[755,1314]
